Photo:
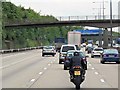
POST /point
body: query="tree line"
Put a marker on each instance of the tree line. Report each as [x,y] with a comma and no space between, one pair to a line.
[28,37]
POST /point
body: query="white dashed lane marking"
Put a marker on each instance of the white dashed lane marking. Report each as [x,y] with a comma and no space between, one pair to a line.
[48,64]
[102,80]
[32,80]
[45,68]
[96,73]
[93,68]
[40,73]
[13,55]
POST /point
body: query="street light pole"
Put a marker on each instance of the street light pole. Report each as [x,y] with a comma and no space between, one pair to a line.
[111,39]
[103,9]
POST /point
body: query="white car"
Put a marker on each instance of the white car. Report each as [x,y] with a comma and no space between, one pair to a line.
[83,44]
[96,52]
[64,49]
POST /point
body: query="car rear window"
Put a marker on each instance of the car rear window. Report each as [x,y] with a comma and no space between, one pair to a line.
[98,49]
[111,51]
[81,54]
[48,47]
[70,54]
[66,48]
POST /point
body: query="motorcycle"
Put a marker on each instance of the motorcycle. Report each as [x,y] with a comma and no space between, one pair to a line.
[78,77]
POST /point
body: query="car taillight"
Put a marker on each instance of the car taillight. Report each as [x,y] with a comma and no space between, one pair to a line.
[104,55]
[117,55]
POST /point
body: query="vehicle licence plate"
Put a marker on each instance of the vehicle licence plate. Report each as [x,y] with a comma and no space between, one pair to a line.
[111,55]
[64,55]
[77,73]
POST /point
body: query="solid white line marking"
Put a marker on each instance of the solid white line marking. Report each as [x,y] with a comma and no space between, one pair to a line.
[45,68]
[88,62]
[32,80]
[13,55]
[93,68]
[40,73]
[17,62]
[102,80]
[96,73]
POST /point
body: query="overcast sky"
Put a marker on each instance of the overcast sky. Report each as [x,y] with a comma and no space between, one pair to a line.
[69,7]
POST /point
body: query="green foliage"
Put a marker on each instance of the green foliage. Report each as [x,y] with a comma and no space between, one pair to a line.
[28,37]
[116,34]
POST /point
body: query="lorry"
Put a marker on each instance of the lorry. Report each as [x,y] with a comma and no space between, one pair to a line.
[90,41]
[74,37]
[59,41]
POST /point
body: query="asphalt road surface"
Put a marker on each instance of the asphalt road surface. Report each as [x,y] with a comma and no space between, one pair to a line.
[30,70]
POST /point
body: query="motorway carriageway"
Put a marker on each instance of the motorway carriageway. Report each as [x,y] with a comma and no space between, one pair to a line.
[30,70]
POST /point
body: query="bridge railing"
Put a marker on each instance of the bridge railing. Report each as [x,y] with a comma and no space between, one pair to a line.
[90,17]
[59,18]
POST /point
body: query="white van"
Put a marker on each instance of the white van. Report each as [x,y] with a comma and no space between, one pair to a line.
[64,49]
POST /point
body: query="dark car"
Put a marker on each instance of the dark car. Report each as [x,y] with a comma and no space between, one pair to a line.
[89,49]
[110,55]
[70,55]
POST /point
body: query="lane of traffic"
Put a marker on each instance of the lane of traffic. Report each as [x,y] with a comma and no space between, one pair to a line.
[20,74]
[40,72]
[56,77]
[107,71]
[18,57]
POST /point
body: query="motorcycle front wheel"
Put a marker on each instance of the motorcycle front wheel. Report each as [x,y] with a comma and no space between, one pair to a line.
[78,82]
[77,86]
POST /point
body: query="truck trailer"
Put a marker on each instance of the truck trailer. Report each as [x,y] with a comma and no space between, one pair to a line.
[74,37]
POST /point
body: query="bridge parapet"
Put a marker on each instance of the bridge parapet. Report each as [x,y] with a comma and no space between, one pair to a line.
[60,18]
[90,17]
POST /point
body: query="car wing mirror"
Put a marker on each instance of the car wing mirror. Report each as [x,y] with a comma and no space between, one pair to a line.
[59,51]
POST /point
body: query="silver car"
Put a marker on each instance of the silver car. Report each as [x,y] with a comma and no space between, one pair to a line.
[48,50]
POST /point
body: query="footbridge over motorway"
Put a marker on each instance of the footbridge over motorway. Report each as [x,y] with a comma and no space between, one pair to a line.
[92,21]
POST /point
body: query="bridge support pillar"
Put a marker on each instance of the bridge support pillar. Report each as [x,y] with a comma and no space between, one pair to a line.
[105,38]
[100,39]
